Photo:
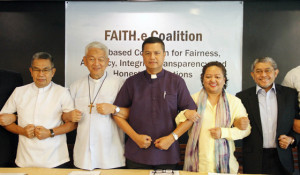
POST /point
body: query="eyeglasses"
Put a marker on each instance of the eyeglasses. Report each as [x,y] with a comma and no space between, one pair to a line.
[44,71]
[92,59]
[164,172]
[260,71]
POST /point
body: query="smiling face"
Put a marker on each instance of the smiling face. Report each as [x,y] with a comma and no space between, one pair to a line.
[264,75]
[42,72]
[154,56]
[213,80]
[96,62]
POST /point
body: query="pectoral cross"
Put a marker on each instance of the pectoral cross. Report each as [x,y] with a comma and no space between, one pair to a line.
[91,106]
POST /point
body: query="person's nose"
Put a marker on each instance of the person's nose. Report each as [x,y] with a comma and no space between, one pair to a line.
[41,73]
[263,73]
[152,56]
[97,62]
[213,79]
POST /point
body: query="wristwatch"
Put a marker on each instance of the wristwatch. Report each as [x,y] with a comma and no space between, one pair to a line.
[293,140]
[52,133]
[117,110]
[175,136]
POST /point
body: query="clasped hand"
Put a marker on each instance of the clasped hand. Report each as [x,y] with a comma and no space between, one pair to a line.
[143,141]
[73,116]
[30,131]
[163,143]
[241,123]
[215,133]
[284,141]
[7,119]
[105,108]
[192,115]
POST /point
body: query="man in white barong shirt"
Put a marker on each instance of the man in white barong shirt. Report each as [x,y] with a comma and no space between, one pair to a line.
[99,142]
[42,138]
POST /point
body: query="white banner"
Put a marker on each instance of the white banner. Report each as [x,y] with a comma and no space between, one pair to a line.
[194,33]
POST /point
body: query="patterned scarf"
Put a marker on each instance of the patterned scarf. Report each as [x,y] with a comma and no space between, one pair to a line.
[222,152]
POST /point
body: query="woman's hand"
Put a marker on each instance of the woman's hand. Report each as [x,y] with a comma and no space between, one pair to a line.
[192,115]
[215,133]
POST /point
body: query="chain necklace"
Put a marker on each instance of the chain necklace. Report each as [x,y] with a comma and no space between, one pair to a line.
[91,105]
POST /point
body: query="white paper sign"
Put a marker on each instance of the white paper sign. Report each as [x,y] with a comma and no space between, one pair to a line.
[164,172]
[194,33]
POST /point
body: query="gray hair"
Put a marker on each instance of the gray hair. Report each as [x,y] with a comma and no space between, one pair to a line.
[96,44]
[264,60]
[42,55]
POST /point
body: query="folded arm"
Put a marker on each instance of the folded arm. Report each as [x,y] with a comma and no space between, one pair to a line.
[7,119]
[241,123]
[27,131]
[123,113]
[43,133]
[72,116]
[142,140]
[165,142]
[31,131]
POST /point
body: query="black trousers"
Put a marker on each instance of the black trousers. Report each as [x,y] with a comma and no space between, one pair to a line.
[10,164]
[272,164]
[64,165]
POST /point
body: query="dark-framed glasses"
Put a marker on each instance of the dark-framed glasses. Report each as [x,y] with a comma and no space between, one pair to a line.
[45,71]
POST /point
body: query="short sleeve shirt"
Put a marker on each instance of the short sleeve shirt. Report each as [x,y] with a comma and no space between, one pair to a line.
[154,104]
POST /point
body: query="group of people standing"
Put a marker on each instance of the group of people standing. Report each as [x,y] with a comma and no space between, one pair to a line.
[154,108]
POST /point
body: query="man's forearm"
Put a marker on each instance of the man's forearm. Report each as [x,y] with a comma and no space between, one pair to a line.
[183,127]
[7,119]
[65,128]
[124,125]
[124,113]
[14,128]
[66,116]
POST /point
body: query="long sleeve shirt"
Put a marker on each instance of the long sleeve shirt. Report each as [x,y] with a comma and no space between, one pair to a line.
[99,141]
[268,114]
[207,143]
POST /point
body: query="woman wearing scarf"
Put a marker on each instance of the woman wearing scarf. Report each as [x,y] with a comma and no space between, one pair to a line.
[210,146]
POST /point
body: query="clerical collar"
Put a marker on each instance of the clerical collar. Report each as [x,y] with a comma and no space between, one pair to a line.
[154,76]
[98,80]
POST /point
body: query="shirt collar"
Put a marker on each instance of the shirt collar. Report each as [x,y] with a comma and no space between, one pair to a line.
[42,90]
[158,75]
[98,80]
[259,89]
